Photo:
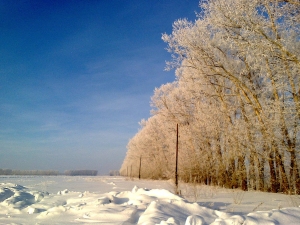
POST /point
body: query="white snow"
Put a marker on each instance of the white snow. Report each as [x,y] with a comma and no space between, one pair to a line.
[116,200]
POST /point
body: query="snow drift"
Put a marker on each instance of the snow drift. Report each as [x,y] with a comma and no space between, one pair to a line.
[22,205]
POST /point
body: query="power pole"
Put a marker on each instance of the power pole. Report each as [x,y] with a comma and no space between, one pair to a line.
[140,167]
[176,168]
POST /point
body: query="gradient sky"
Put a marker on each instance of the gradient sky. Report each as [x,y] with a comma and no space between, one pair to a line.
[76,77]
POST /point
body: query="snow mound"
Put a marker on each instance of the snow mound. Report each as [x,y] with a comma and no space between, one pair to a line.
[21,205]
[18,197]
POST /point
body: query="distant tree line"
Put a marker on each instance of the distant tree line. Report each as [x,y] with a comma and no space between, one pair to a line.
[29,172]
[48,172]
[81,172]
[236,99]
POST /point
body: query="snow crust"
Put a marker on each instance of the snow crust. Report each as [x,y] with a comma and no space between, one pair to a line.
[109,200]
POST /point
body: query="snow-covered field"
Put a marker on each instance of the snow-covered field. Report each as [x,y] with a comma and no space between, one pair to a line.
[117,200]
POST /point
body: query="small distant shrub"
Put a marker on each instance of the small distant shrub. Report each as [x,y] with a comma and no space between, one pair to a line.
[114,173]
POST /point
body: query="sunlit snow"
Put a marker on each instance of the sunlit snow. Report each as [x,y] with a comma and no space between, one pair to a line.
[117,200]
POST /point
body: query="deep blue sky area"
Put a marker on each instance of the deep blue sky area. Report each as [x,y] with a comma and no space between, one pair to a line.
[76,77]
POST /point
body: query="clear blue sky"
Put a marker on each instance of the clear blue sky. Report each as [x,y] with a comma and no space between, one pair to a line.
[76,77]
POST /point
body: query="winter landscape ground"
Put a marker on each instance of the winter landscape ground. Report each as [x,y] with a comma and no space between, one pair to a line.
[119,200]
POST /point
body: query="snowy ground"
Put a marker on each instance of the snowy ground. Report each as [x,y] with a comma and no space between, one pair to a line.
[116,200]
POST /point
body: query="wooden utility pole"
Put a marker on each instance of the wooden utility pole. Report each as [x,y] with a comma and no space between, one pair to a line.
[176,168]
[140,167]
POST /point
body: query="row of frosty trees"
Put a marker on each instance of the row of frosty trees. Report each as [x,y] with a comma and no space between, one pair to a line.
[236,99]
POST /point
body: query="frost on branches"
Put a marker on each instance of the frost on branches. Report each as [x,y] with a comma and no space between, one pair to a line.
[236,99]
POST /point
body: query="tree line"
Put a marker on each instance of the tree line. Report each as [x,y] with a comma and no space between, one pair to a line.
[236,98]
[81,172]
[48,172]
[29,172]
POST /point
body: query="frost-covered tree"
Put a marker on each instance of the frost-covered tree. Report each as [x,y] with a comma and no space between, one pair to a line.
[236,97]
[151,145]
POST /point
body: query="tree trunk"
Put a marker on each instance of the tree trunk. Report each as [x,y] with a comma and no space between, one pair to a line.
[252,171]
[221,167]
[242,174]
[294,173]
[273,181]
[261,174]
[284,180]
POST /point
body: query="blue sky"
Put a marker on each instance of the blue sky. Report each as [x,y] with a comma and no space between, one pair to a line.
[76,77]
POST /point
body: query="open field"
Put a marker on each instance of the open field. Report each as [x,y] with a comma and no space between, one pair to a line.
[118,200]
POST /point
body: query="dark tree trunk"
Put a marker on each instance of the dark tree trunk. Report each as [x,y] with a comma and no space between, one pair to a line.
[252,171]
[273,181]
[284,184]
[243,174]
[294,173]
[261,174]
